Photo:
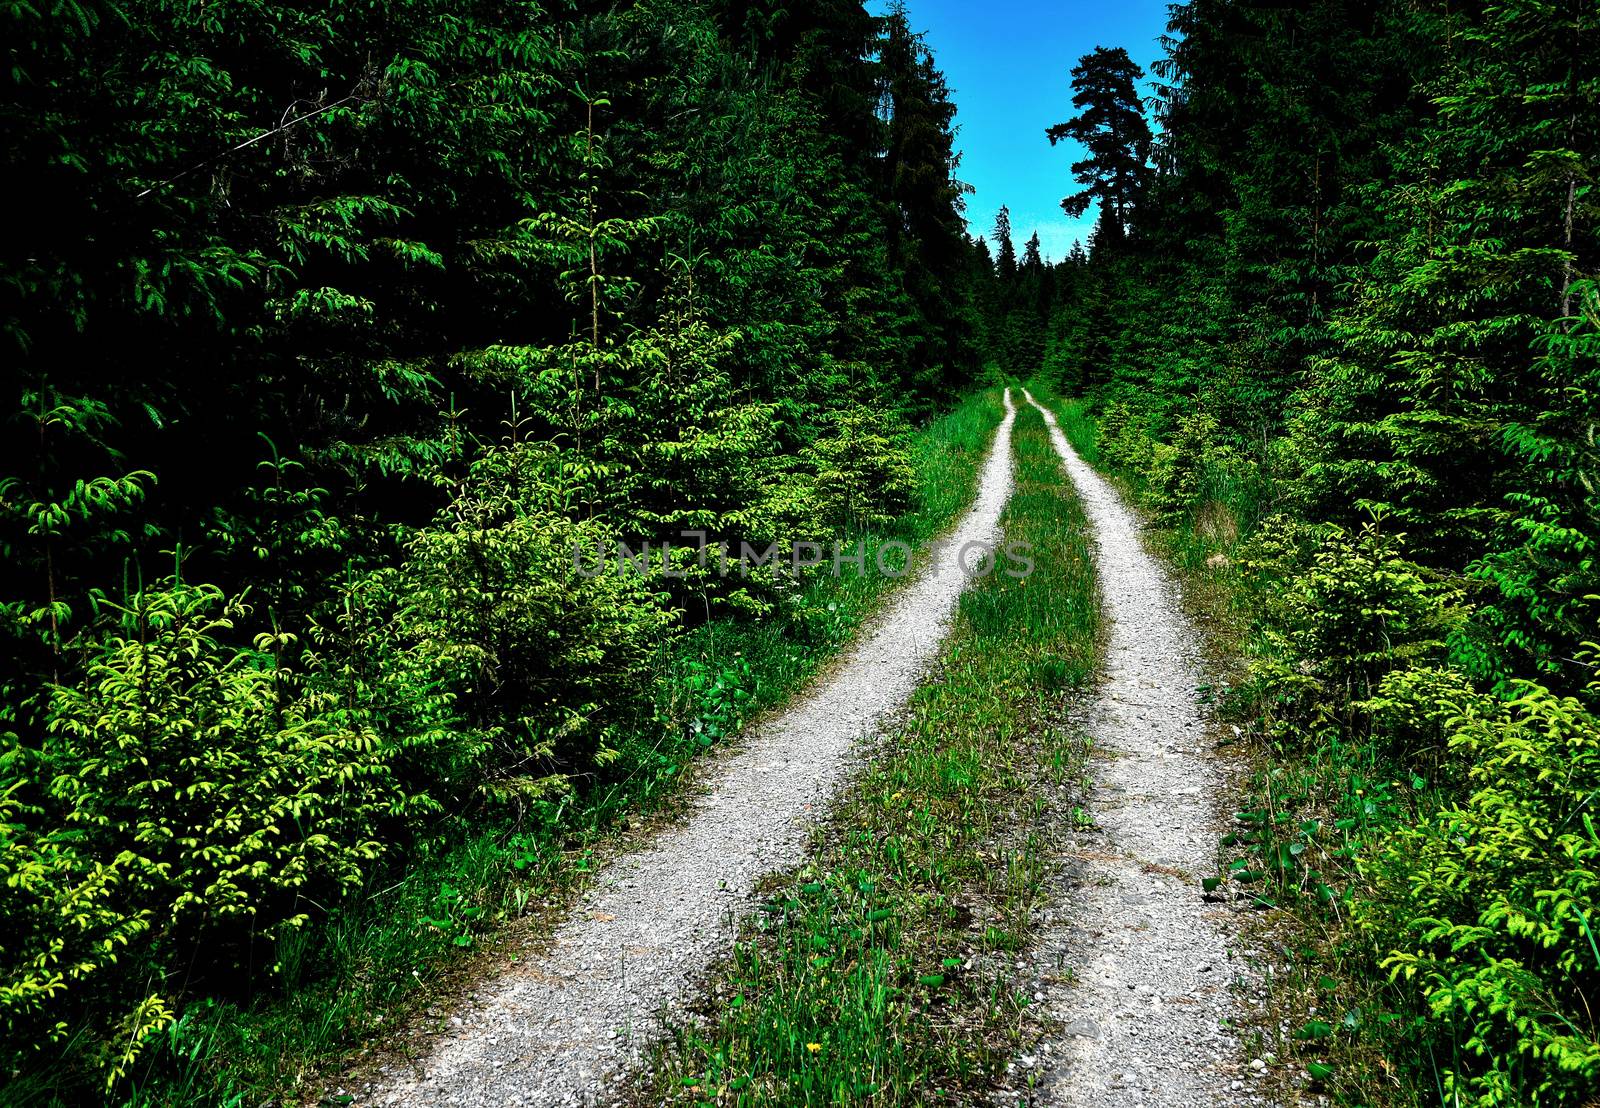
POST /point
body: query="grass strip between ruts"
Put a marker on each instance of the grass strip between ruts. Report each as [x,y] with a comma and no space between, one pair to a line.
[879,972]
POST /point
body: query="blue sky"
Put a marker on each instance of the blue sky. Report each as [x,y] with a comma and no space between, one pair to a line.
[1008,64]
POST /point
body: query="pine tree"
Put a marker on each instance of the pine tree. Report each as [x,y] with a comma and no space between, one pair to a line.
[1113,131]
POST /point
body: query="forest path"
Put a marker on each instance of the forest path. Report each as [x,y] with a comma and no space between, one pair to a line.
[566,1026]
[1150,957]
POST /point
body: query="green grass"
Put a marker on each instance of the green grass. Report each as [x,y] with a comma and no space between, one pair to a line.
[1307,813]
[878,972]
[1202,545]
[1076,423]
[410,939]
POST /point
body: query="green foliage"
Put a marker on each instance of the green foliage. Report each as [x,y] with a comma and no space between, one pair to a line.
[1198,475]
[196,792]
[1499,892]
[1124,441]
[1358,611]
[371,318]
[1544,572]
[1412,713]
[1486,218]
[863,471]
[384,954]
[545,655]
[717,701]
[65,916]
[237,791]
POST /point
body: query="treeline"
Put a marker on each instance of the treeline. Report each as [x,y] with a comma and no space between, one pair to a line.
[1340,325]
[330,331]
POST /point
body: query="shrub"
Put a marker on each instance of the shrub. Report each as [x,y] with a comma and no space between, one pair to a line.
[63,918]
[1412,714]
[863,470]
[187,790]
[1490,905]
[1182,481]
[1355,612]
[546,656]
[1125,442]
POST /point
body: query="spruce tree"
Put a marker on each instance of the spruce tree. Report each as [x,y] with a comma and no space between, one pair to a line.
[927,235]
[1005,258]
[1032,259]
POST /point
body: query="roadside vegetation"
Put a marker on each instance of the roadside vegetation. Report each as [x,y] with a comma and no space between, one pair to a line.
[332,335]
[880,971]
[400,946]
[1422,852]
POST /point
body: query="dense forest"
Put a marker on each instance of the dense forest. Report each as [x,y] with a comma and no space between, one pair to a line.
[330,332]
[333,330]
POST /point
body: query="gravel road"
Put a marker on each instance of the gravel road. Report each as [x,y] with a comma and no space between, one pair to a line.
[1151,973]
[566,1027]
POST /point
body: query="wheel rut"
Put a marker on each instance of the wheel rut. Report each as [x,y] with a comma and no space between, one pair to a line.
[1152,968]
[568,1026]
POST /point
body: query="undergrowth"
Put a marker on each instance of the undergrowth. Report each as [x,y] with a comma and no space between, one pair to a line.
[381,959]
[878,971]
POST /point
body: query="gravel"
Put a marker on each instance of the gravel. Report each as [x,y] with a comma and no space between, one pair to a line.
[568,1026]
[1154,969]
